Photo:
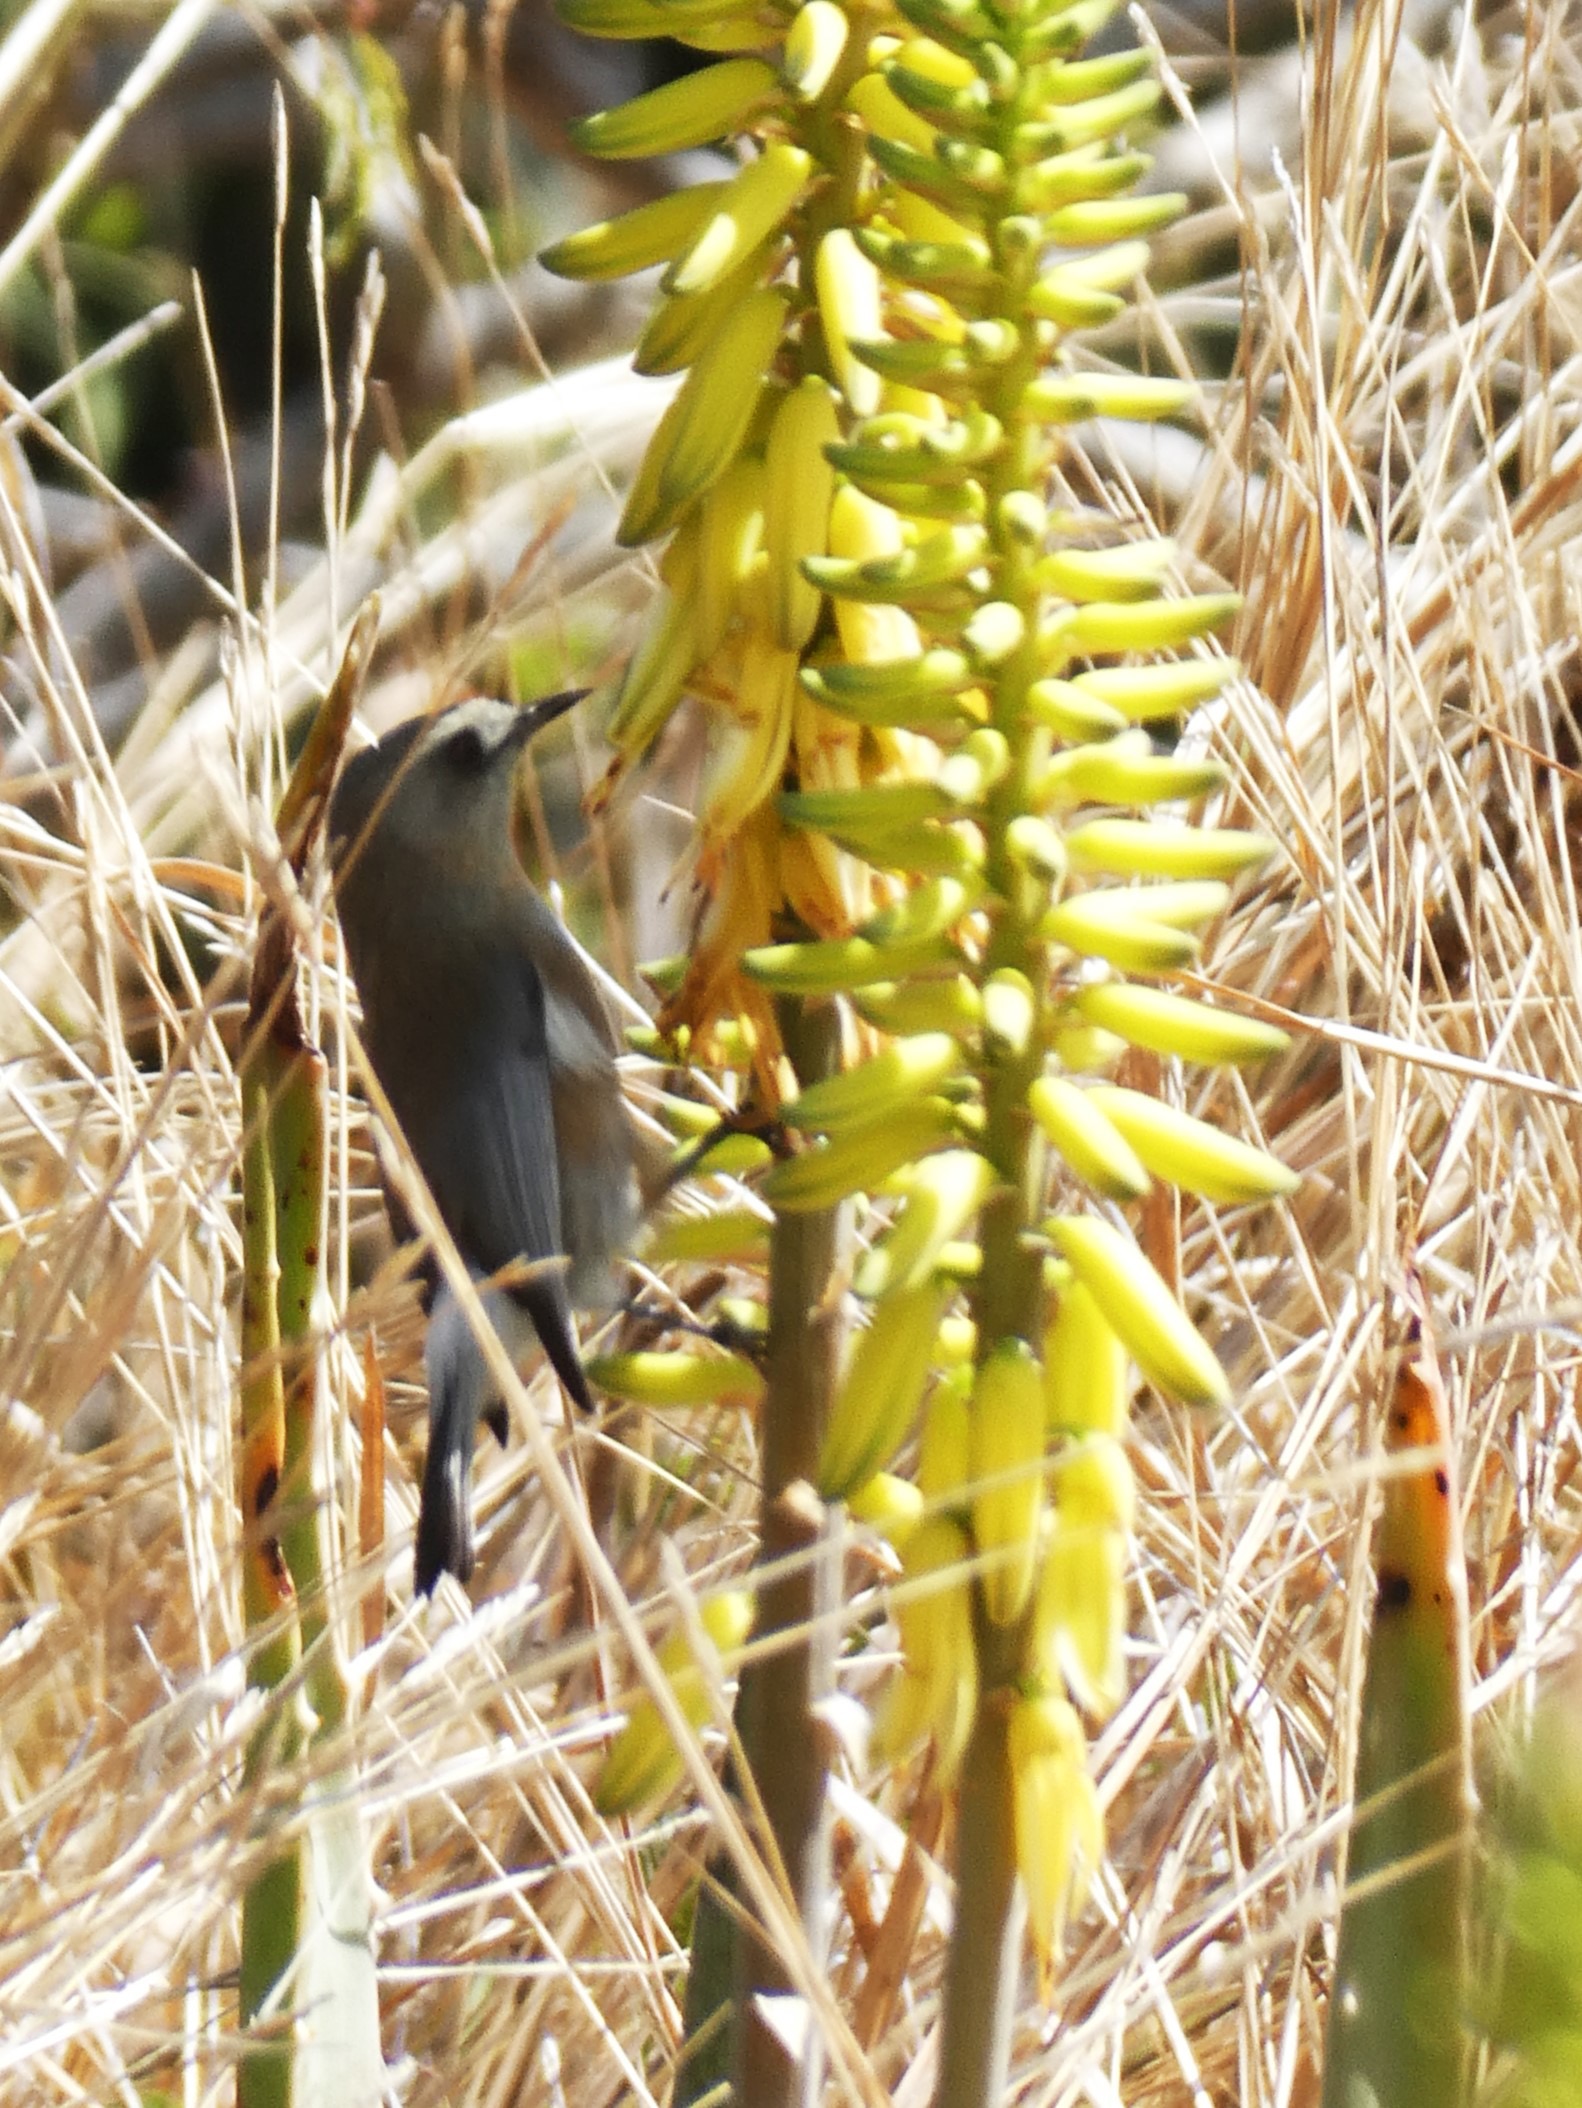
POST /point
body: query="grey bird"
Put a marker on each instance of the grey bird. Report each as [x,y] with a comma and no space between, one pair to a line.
[492,1042]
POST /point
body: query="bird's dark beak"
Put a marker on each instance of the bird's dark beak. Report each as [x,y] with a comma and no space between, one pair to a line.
[533,719]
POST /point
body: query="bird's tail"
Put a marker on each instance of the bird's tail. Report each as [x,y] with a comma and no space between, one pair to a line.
[458,1390]
[461,1390]
[444,1520]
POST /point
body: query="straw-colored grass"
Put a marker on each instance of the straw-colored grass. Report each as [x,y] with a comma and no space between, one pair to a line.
[1392,474]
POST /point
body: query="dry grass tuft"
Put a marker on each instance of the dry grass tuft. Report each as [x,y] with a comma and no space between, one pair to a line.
[1393,476]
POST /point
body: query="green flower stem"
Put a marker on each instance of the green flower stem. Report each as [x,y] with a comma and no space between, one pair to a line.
[298,1142]
[985,1947]
[983,1968]
[1397,2017]
[284,1220]
[703,2074]
[780,1738]
[272,1909]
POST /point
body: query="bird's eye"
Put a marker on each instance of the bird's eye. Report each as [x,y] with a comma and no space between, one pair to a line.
[467,751]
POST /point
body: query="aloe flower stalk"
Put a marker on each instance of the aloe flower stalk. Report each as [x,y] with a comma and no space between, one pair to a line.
[932,809]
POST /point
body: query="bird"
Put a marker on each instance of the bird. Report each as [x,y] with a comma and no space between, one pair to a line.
[495,1050]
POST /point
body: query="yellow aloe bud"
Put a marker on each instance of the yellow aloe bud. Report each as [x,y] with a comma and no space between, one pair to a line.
[832,965]
[909,1068]
[918,218]
[891,1505]
[871,809]
[908,573]
[730,538]
[733,1155]
[1080,1621]
[1113,219]
[1132,572]
[942,1195]
[757,200]
[956,1343]
[1194,1154]
[656,676]
[930,60]
[1005,1465]
[1135,397]
[850,306]
[702,430]
[749,743]
[1079,1626]
[1146,625]
[1083,292]
[1183,904]
[977,765]
[1090,1143]
[859,527]
[1156,849]
[801,486]
[1175,1024]
[1081,172]
[951,1004]
[992,633]
[926,446]
[937,1690]
[922,848]
[1123,771]
[722,29]
[912,402]
[915,77]
[643,1762]
[815,44]
[1070,711]
[1084,1050]
[942,1453]
[860,1158]
[693,111]
[1059,1831]
[1094,1487]
[674,1380]
[873,100]
[894,827]
[635,240]
[1146,692]
[1009,1010]
[926,912]
[682,1116]
[1124,935]
[1037,848]
[1095,117]
[878,1400]
[1137,1305]
[1079,78]
[720,1234]
[946,268]
[683,325]
[903,692]
[1086,1386]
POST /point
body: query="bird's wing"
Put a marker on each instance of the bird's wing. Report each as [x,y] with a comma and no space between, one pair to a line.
[489,1149]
